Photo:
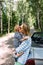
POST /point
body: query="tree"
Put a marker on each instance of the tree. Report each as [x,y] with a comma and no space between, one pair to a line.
[9,12]
[14,20]
[23,11]
[1,16]
[8,7]
[37,8]
[5,22]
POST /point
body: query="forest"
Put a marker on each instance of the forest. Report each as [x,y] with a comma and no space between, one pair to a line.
[19,12]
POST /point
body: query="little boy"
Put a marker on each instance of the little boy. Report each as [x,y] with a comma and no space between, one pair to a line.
[17,36]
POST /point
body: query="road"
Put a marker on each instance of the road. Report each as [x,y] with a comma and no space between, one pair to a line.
[6,50]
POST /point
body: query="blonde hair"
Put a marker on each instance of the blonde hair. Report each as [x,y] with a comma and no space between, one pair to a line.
[26,29]
[16,28]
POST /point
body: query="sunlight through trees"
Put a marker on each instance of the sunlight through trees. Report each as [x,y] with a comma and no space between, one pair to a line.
[21,11]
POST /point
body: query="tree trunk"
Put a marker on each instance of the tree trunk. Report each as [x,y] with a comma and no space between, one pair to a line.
[22,18]
[1,27]
[9,25]
[38,19]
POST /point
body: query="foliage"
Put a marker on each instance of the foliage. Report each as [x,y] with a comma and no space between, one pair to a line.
[37,8]
[28,11]
[9,17]
[5,22]
[23,10]
[14,20]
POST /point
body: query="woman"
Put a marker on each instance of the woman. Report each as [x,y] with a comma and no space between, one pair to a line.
[25,47]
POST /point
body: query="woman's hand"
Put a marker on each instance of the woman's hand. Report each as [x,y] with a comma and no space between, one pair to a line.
[24,38]
[16,55]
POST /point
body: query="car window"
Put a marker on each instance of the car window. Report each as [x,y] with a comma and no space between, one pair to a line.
[37,39]
[38,34]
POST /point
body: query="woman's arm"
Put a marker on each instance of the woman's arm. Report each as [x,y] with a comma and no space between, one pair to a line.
[24,38]
[24,45]
[19,54]
[16,55]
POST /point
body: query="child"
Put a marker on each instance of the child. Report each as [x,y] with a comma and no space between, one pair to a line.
[17,36]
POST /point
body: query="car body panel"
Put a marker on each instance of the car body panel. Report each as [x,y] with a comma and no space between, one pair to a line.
[37,46]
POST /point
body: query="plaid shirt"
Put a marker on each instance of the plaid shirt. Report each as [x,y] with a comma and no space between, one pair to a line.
[24,47]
